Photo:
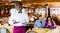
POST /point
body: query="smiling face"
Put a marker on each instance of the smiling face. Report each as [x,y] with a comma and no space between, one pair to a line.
[18,6]
[49,19]
[40,17]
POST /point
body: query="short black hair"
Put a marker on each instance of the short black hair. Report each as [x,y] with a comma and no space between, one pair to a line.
[40,15]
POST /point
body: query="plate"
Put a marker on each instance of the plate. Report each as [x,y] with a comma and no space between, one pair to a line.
[31,32]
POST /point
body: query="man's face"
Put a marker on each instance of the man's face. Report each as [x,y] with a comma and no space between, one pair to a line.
[40,18]
[18,6]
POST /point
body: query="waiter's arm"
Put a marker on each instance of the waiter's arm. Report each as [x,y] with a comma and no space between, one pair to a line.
[11,20]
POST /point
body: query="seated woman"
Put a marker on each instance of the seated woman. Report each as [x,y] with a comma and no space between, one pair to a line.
[40,23]
[49,23]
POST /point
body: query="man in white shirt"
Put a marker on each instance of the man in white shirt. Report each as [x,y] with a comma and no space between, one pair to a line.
[18,19]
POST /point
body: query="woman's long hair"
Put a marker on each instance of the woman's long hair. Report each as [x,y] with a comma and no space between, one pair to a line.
[47,19]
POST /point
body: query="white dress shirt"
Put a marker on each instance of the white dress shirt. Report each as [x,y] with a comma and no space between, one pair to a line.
[21,18]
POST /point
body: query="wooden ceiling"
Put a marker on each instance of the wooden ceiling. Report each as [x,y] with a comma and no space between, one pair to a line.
[30,2]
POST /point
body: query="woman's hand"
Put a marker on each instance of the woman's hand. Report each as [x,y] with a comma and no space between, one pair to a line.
[49,23]
[16,22]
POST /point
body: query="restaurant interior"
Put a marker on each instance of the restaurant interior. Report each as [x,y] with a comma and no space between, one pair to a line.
[32,8]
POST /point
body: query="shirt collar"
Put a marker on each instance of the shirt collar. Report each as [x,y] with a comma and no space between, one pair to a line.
[18,11]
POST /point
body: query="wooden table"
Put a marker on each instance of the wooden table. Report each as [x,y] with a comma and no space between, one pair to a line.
[38,30]
[45,30]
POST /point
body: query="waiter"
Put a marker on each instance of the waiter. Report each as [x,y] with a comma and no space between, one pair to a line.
[18,19]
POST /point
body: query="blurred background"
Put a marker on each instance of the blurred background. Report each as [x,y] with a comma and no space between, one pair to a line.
[33,8]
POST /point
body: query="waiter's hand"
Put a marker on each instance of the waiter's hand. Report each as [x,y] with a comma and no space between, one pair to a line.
[16,22]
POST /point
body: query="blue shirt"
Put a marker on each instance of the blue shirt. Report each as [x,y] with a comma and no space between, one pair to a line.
[40,25]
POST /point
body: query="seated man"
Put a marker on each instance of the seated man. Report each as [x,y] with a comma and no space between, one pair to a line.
[40,22]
